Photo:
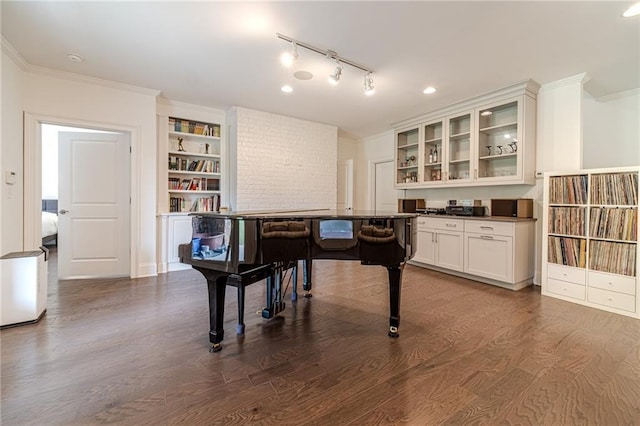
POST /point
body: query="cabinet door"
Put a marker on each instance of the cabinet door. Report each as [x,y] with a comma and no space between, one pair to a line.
[407,157]
[180,232]
[433,153]
[489,256]
[499,141]
[449,250]
[425,251]
[459,148]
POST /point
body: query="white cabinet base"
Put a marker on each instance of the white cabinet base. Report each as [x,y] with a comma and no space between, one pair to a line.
[510,286]
[173,230]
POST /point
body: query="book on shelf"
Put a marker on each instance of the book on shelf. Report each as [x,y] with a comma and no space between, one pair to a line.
[567,251]
[568,189]
[614,189]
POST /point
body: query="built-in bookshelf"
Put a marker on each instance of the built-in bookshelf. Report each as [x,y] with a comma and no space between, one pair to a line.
[590,255]
[194,165]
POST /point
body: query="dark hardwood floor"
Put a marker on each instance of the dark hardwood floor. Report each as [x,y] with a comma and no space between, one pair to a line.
[135,352]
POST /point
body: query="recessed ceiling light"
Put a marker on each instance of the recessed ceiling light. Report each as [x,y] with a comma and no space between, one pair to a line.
[303,75]
[429,90]
[74,57]
[286,88]
[632,11]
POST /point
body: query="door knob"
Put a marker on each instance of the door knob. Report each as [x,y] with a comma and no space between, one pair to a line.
[63,211]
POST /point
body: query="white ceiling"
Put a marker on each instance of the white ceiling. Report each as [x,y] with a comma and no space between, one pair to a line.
[223,54]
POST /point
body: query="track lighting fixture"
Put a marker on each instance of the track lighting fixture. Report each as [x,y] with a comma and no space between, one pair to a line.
[335,77]
[337,73]
[368,85]
[290,56]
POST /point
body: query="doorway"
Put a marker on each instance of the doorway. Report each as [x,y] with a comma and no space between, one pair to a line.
[383,197]
[85,187]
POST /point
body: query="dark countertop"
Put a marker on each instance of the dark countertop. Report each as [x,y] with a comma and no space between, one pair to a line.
[491,218]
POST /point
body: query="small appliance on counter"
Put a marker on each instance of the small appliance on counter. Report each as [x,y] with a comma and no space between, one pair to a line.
[411,205]
[465,208]
[519,207]
[434,210]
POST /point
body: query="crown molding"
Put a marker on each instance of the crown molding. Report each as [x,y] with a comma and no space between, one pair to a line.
[10,51]
[565,82]
[64,75]
[619,95]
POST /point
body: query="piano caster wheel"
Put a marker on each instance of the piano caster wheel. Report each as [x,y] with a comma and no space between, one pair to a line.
[239,328]
[307,294]
[215,347]
[393,332]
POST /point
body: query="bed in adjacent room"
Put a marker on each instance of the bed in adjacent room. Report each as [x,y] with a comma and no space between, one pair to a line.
[49,222]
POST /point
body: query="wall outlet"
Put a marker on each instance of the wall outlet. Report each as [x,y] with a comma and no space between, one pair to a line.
[539,175]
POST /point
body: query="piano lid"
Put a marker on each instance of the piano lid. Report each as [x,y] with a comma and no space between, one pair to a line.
[307,214]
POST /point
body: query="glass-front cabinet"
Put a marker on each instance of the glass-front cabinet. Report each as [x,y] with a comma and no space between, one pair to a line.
[433,152]
[459,148]
[498,139]
[489,140]
[407,156]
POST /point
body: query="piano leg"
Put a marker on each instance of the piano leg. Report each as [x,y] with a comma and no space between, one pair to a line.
[306,278]
[395,279]
[217,286]
[294,275]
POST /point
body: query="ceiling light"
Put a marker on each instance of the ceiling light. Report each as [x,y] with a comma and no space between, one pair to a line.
[369,89]
[290,56]
[429,90]
[303,75]
[335,77]
[74,57]
[286,88]
[632,11]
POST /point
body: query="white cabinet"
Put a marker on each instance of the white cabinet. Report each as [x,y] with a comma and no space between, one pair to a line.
[590,238]
[440,242]
[488,140]
[498,251]
[174,229]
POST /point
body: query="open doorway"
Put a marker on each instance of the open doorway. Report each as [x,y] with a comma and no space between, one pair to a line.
[85,201]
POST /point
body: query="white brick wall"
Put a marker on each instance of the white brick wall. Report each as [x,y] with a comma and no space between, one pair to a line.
[282,162]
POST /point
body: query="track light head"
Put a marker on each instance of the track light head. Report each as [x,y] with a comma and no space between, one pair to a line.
[335,77]
[290,56]
[369,89]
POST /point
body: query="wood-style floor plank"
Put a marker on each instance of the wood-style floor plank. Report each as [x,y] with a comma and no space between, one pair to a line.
[135,352]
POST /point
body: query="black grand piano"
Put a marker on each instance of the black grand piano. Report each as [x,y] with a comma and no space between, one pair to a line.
[238,249]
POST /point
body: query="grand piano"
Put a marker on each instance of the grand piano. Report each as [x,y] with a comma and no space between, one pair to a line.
[238,249]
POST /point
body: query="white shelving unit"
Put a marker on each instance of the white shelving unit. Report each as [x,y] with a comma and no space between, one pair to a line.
[590,234]
[178,181]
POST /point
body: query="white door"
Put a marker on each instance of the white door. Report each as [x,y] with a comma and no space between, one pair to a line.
[386,196]
[93,205]
[345,185]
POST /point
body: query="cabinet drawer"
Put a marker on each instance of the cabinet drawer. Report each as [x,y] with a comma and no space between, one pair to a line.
[612,299]
[489,227]
[563,288]
[443,223]
[620,284]
[566,273]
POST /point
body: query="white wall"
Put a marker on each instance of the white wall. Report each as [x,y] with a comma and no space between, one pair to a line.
[11,157]
[282,162]
[611,130]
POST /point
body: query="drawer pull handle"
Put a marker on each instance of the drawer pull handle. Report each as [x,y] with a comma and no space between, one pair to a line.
[610,300]
[486,237]
[487,227]
[451,225]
